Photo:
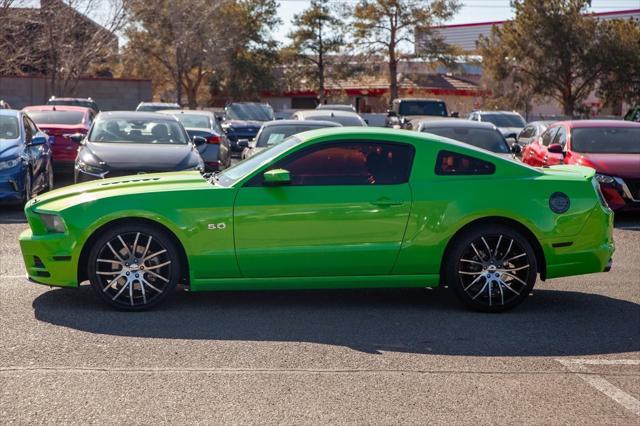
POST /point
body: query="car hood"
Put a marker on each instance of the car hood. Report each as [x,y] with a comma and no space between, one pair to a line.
[9,148]
[60,199]
[140,157]
[621,165]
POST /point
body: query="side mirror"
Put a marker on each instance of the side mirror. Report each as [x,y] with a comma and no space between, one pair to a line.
[277,177]
[199,140]
[455,114]
[555,148]
[76,137]
[243,143]
[38,140]
[516,149]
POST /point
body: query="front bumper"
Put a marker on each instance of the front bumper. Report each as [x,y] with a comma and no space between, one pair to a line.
[49,259]
[12,184]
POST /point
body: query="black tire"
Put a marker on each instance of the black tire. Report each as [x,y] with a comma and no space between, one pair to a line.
[134,279]
[491,268]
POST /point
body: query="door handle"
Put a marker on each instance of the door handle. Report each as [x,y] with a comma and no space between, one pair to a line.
[386,202]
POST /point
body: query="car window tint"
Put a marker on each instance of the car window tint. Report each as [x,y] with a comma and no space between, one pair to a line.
[28,134]
[453,163]
[8,127]
[561,137]
[34,128]
[349,163]
[527,132]
[547,136]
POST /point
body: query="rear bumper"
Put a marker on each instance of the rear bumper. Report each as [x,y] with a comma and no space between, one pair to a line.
[590,251]
[49,259]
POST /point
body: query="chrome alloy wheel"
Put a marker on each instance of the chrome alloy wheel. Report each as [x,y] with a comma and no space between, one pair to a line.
[494,270]
[133,269]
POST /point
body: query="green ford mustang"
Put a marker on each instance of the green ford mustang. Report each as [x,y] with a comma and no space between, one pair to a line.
[330,208]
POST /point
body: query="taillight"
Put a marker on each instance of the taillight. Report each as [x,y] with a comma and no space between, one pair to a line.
[214,140]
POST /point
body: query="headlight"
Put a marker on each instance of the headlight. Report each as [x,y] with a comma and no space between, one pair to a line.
[9,164]
[88,168]
[604,178]
[53,223]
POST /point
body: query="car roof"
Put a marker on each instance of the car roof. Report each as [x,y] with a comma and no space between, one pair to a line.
[276,123]
[328,113]
[157,103]
[134,115]
[598,123]
[186,111]
[56,108]
[54,98]
[458,123]
[10,112]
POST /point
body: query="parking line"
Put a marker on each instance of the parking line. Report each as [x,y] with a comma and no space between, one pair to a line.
[578,366]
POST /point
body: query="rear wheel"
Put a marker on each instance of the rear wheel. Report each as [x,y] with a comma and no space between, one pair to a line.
[134,266]
[491,268]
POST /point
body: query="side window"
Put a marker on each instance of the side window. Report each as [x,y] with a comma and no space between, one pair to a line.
[547,136]
[34,128]
[28,134]
[348,163]
[561,137]
[527,132]
[452,163]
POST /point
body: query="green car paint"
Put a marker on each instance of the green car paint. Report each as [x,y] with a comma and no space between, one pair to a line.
[301,237]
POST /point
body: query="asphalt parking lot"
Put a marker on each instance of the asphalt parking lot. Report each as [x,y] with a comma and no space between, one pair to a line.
[569,354]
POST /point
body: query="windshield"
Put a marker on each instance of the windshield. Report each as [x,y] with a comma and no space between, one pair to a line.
[256,112]
[8,127]
[243,168]
[194,120]
[337,107]
[345,120]
[120,130]
[614,140]
[74,102]
[504,120]
[488,139]
[154,108]
[273,135]
[423,108]
[56,117]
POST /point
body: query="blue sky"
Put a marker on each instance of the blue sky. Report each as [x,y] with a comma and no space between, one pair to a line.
[473,11]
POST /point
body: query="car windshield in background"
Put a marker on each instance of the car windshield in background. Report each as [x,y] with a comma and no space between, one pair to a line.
[243,168]
[613,140]
[423,108]
[257,112]
[491,140]
[8,127]
[155,131]
[504,120]
[154,108]
[273,135]
[56,117]
[345,120]
[85,104]
[194,120]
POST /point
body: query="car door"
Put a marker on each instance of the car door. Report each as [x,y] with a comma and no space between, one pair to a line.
[38,155]
[344,212]
[539,148]
[559,138]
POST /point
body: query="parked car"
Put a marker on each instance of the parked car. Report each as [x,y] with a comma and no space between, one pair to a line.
[508,122]
[242,121]
[273,132]
[481,135]
[405,111]
[531,132]
[216,153]
[344,118]
[26,163]
[337,107]
[335,207]
[156,106]
[61,122]
[79,102]
[611,147]
[126,143]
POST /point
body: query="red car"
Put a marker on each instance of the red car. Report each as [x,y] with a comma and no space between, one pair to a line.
[611,147]
[61,121]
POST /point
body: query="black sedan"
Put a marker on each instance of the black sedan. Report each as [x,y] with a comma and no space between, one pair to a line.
[479,134]
[128,143]
[216,152]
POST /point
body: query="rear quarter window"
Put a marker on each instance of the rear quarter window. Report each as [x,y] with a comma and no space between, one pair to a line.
[452,163]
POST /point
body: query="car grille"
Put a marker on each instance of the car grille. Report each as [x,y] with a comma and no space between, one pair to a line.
[634,187]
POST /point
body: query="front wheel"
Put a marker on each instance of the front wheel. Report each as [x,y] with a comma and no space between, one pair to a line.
[491,268]
[134,266]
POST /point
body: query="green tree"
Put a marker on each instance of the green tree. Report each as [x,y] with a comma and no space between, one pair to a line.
[383,27]
[553,48]
[316,36]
